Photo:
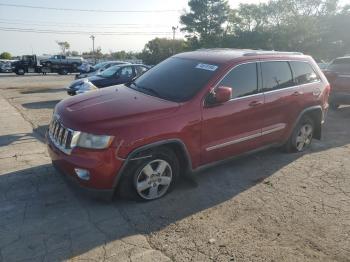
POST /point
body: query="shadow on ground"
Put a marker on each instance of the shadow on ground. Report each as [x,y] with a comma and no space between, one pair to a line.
[45,90]
[43,218]
[41,105]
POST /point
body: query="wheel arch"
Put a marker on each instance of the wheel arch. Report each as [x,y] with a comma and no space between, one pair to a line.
[145,151]
[316,114]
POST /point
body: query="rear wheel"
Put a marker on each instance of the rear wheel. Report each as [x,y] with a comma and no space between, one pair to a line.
[302,135]
[150,178]
[63,72]
[20,71]
[334,106]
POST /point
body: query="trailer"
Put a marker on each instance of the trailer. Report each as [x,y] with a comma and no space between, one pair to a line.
[32,64]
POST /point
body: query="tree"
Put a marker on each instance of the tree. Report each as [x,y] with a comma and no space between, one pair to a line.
[64,46]
[205,20]
[159,49]
[5,55]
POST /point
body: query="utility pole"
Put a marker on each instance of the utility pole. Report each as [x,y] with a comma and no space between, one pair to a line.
[93,47]
[174,28]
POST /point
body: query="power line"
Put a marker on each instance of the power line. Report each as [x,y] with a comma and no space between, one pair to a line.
[78,25]
[70,23]
[48,31]
[89,10]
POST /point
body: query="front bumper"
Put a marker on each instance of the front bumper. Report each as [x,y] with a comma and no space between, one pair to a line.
[101,164]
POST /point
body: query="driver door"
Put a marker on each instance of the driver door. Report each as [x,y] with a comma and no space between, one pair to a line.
[125,74]
[235,126]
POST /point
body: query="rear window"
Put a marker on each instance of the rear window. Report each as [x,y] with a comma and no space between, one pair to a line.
[176,79]
[303,73]
[276,75]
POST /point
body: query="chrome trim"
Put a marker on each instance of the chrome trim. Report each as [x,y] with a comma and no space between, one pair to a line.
[269,131]
[236,141]
[246,138]
[58,135]
[260,91]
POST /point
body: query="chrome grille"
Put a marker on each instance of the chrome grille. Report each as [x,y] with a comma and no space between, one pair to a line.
[60,136]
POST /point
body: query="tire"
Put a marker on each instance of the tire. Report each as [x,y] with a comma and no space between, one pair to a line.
[20,71]
[63,72]
[302,136]
[141,180]
[334,106]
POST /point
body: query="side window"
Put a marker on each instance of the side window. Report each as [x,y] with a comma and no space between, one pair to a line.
[243,80]
[126,72]
[140,70]
[303,73]
[276,75]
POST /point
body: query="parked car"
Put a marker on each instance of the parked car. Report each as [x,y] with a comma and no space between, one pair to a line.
[98,68]
[338,74]
[189,111]
[85,68]
[115,75]
[5,67]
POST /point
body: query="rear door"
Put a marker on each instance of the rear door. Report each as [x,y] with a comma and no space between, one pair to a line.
[234,127]
[283,100]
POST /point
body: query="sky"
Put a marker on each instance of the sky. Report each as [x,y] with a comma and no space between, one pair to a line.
[136,28]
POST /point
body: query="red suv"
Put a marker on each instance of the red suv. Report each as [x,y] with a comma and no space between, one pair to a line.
[189,111]
[338,74]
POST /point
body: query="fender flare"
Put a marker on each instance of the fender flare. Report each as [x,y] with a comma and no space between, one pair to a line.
[318,126]
[135,155]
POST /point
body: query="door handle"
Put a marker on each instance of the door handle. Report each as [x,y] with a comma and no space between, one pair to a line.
[297,93]
[255,103]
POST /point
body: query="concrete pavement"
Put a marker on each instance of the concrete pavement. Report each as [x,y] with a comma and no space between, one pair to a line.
[42,219]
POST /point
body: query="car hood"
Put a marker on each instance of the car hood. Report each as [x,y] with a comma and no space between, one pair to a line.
[101,111]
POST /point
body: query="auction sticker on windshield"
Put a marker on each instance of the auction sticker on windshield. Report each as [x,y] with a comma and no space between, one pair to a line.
[207,67]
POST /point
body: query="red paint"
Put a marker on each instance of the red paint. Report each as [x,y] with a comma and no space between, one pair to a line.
[136,119]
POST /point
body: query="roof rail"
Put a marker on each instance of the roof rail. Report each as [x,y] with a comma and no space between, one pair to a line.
[254,53]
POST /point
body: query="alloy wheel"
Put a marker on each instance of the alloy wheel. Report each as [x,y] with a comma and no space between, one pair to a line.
[304,137]
[154,179]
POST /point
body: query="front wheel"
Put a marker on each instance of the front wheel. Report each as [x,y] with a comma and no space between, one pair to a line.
[152,177]
[302,135]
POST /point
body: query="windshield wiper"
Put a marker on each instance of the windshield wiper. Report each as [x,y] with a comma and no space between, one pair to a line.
[148,90]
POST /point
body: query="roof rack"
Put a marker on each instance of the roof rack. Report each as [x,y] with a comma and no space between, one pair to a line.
[254,53]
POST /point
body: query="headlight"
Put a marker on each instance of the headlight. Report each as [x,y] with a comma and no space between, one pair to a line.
[85,87]
[91,141]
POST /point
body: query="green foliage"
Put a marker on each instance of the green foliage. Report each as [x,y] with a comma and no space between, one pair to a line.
[5,55]
[64,46]
[204,21]
[316,27]
[122,55]
[159,49]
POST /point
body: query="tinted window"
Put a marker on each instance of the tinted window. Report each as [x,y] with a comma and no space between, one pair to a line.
[126,72]
[243,80]
[175,79]
[340,65]
[110,71]
[276,75]
[140,70]
[303,73]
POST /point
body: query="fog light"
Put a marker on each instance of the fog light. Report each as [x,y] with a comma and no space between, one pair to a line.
[82,173]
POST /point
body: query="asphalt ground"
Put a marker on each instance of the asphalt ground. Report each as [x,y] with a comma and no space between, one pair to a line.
[269,206]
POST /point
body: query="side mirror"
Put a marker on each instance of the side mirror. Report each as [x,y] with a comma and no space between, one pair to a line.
[219,95]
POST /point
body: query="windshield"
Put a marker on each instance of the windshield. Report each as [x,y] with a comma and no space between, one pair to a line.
[110,71]
[176,79]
